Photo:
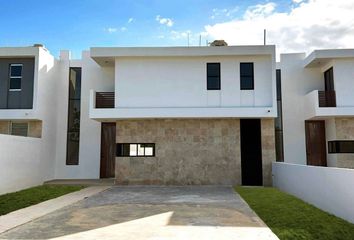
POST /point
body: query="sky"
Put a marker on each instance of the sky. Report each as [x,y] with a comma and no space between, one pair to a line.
[76,25]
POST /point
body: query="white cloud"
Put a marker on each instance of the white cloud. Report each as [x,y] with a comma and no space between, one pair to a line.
[130,20]
[222,13]
[123,29]
[164,21]
[312,24]
[111,30]
[175,35]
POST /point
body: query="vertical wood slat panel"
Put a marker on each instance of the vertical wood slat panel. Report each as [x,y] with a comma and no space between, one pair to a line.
[104,99]
[327,98]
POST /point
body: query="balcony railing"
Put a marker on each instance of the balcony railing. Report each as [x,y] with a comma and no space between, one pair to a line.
[327,98]
[104,99]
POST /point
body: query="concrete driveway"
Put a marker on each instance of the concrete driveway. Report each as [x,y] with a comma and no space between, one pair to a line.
[148,212]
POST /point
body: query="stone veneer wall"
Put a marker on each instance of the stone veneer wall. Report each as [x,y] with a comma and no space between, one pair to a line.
[189,151]
[345,131]
[268,150]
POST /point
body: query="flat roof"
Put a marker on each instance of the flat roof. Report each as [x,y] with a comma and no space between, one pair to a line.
[18,51]
[320,58]
[105,55]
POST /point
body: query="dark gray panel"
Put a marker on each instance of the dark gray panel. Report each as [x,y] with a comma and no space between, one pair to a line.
[17,99]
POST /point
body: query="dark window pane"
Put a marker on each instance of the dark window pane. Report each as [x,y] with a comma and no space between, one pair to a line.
[19,129]
[15,83]
[246,83]
[74,116]
[73,149]
[75,83]
[15,70]
[341,146]
[278,79]
[213,83]
[213,76]
[246,76]
[246,69]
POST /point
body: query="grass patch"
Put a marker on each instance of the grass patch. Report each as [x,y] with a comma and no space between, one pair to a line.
[292,218]
[13,201]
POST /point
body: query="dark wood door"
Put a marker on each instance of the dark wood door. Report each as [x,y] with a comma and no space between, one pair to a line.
[316,143]
[251,152]
[108,143]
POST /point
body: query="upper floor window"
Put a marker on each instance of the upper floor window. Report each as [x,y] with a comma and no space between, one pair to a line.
[213,76]
[15,77]
[246,76]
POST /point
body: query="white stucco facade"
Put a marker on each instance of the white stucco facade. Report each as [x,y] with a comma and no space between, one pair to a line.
[302,78]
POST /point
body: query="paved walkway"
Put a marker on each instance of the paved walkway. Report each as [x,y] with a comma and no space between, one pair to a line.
[191,212]
[28,214]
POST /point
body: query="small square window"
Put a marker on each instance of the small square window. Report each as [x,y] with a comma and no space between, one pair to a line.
[15,77]
[16,70]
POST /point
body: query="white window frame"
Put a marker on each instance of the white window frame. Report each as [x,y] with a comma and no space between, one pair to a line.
[19,122]
[17,77]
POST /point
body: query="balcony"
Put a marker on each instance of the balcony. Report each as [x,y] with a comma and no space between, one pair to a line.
[104,99]
[322,104]
[103,109]
[327,98]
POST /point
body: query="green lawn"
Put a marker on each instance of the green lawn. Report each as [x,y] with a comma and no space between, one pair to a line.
[292,218]
[17,200]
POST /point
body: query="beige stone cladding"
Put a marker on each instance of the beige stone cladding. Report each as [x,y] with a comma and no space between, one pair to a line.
[345,131]
[188,151]
[4,127]
[268,150]
[34,128]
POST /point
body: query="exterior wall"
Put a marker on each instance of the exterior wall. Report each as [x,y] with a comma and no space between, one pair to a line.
[343,72]
[35,129]
[187,152]
[345,131]
[17,99]
[194,151]
[297,81]
[93,77]
[329,189]
[268,150]
[181,82]
[4,127]
[20,163]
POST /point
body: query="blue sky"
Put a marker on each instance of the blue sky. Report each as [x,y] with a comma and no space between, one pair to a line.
[77,25]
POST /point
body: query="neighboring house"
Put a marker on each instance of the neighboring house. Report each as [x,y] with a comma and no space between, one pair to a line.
[318,107]
[164,115]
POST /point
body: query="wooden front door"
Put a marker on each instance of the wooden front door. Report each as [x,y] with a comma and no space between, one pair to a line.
[316,143]
[108,150]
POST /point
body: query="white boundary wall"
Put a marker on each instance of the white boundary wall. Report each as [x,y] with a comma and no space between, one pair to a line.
[330,189]
[20,163]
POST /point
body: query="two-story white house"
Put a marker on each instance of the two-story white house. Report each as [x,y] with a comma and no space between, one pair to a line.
[318,107]
[186,115]
[159,115]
